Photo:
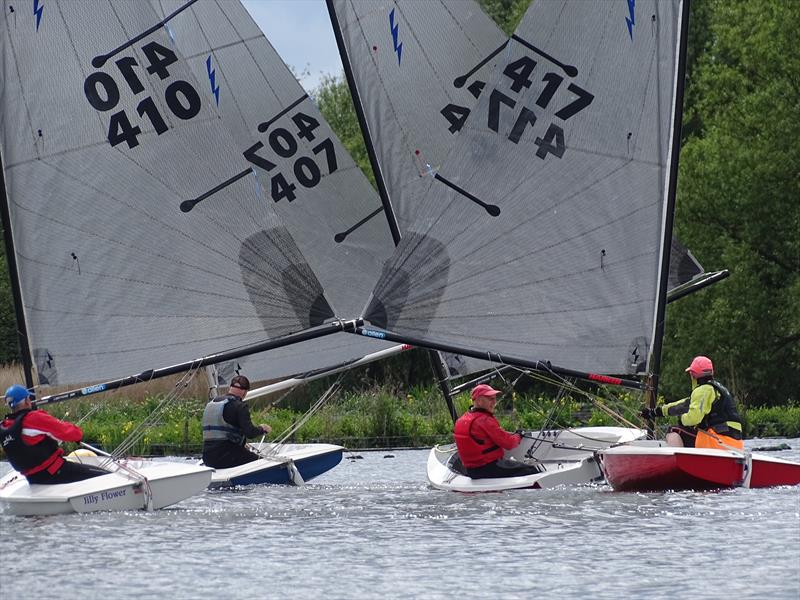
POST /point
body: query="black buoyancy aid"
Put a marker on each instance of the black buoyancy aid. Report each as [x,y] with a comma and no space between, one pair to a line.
[471,448]
[215,427]
[723,410]
[24,457]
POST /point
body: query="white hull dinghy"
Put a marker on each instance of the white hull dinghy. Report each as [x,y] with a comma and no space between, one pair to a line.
[564,457]
[282,464]
[130,485]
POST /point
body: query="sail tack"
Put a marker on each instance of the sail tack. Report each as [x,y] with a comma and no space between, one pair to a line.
[540,234]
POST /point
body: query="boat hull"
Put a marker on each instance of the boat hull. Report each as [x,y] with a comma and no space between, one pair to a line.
[165,483]
[656,467]
[310,460]
[565,457]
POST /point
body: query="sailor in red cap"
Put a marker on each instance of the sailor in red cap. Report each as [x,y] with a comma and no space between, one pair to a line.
[482,442]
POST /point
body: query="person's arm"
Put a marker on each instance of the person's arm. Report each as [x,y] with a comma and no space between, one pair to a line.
[673,409]
[244,422]
[699,405]
[498,435]
[38,422]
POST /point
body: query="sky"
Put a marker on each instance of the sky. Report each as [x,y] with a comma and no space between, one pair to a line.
[300,31]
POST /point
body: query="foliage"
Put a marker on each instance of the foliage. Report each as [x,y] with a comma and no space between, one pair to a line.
[379,418]
[506,13]
[336,105]
[9,347]
[738,208]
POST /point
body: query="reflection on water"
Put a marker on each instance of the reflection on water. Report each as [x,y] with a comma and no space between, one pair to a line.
[373,528]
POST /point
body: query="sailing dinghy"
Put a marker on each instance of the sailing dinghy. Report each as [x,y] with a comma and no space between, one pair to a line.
[545,231]
[130,485]
[652,466]
[564,457]
[292,464]
[391,51]
[137,229]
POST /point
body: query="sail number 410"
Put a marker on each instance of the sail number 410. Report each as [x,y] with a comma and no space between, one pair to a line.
[103,94]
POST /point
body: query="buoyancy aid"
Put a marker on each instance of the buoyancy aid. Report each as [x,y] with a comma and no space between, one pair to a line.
[723,416]
[474,450]
[215,427]
[28,458]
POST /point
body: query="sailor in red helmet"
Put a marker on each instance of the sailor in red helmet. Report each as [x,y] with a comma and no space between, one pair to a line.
[708,418]
[31,438]
[481,441]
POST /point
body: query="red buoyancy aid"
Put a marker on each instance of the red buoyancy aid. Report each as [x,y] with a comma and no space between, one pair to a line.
[480,439]
[28,458]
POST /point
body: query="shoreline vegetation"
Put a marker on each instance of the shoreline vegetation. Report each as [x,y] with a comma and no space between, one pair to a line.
[373,417]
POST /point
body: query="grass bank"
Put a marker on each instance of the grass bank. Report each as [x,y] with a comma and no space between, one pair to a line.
[375,418]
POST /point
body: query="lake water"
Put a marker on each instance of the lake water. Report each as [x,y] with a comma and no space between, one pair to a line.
[373,528]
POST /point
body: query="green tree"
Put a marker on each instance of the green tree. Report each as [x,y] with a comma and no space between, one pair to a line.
[9,347]
[336,105]
[738,204]
[506,13]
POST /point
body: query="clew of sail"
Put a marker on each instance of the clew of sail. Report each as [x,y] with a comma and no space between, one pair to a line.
[107,139]
[305,174]
[540,234]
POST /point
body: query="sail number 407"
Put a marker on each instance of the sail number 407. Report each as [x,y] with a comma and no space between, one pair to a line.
[283,144]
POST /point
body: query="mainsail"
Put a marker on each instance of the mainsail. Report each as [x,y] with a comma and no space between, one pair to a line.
[540,235]
[322,197]
[106,134]
[448,49]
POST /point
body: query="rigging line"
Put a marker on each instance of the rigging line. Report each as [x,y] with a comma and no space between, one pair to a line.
[570,70]
[329,393]
[459,81]
[99,60]
[596,400]
[154,418]
[340,237]
[492,209]
[262,127]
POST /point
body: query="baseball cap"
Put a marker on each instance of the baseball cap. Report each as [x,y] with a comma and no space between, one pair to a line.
[484,390]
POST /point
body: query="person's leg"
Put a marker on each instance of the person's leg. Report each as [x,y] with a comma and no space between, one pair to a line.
[498,469]
[674,440]
[681,437]
[68,473]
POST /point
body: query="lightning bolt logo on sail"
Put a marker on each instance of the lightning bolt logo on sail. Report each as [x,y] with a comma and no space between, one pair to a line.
[212,79]
[37,10]
[630,22]
[395,29]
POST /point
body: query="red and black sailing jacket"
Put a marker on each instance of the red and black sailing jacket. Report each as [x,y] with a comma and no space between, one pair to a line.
[30,440]
[480,439]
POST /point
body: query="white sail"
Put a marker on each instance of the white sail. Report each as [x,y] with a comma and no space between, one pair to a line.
[419,68]
[540,235]
[428,122]
[106,135]
[320,194]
